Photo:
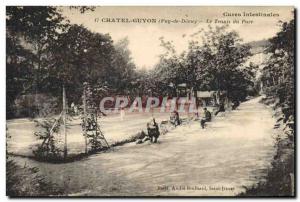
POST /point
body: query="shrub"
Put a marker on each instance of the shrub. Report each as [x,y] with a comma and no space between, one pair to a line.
[24,181]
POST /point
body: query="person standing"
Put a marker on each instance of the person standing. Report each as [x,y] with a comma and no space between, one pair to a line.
[206,118]
[122,113]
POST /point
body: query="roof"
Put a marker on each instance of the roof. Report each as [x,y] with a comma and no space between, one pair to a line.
[182,85]
[204,94]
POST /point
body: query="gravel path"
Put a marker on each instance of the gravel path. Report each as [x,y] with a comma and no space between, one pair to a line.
[233,151]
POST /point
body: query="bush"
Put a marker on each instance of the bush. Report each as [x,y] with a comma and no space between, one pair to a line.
[280,176]
[48,149]
[24,181]
[31,105]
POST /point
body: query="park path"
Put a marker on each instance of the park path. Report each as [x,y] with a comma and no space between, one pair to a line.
[233,151]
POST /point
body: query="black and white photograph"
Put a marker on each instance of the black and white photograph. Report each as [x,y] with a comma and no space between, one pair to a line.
[150,101]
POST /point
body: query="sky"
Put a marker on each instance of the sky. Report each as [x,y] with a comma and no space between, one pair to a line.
[143,37]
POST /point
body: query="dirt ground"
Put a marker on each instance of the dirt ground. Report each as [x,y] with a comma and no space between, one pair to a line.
[233,151]
[115,129]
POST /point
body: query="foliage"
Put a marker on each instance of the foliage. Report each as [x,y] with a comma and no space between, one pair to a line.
[25,181]
[48,149]
[278,74]
[19,71]
[83,9]
[214,63]
[278,85]
[89,121]
[170,71]
[30,30]
[138,136]
[126,68]
[219,61]
[280,176]
[45,52]
[30,105]
[80,49]
[37,27]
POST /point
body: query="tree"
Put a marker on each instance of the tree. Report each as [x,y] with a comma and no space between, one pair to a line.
[278,74]
[214,63]
[218,61]
[170,71]
[45,52]
[19,71]
[83,9]
[30,30]
[37,26]
[79,56]
[125,66]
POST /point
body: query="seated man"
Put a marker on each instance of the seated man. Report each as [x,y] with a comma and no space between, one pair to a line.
[221,108]
[206,118]
[235,104]
[153,131]
[142,138]
[174,118]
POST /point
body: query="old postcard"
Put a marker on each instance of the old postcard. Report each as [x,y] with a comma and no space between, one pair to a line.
[173,101]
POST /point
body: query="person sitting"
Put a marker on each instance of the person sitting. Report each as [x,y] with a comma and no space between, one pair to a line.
[153,131]
[143,137]
[206,118]
[174,118]
[235,104]
[221,108]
